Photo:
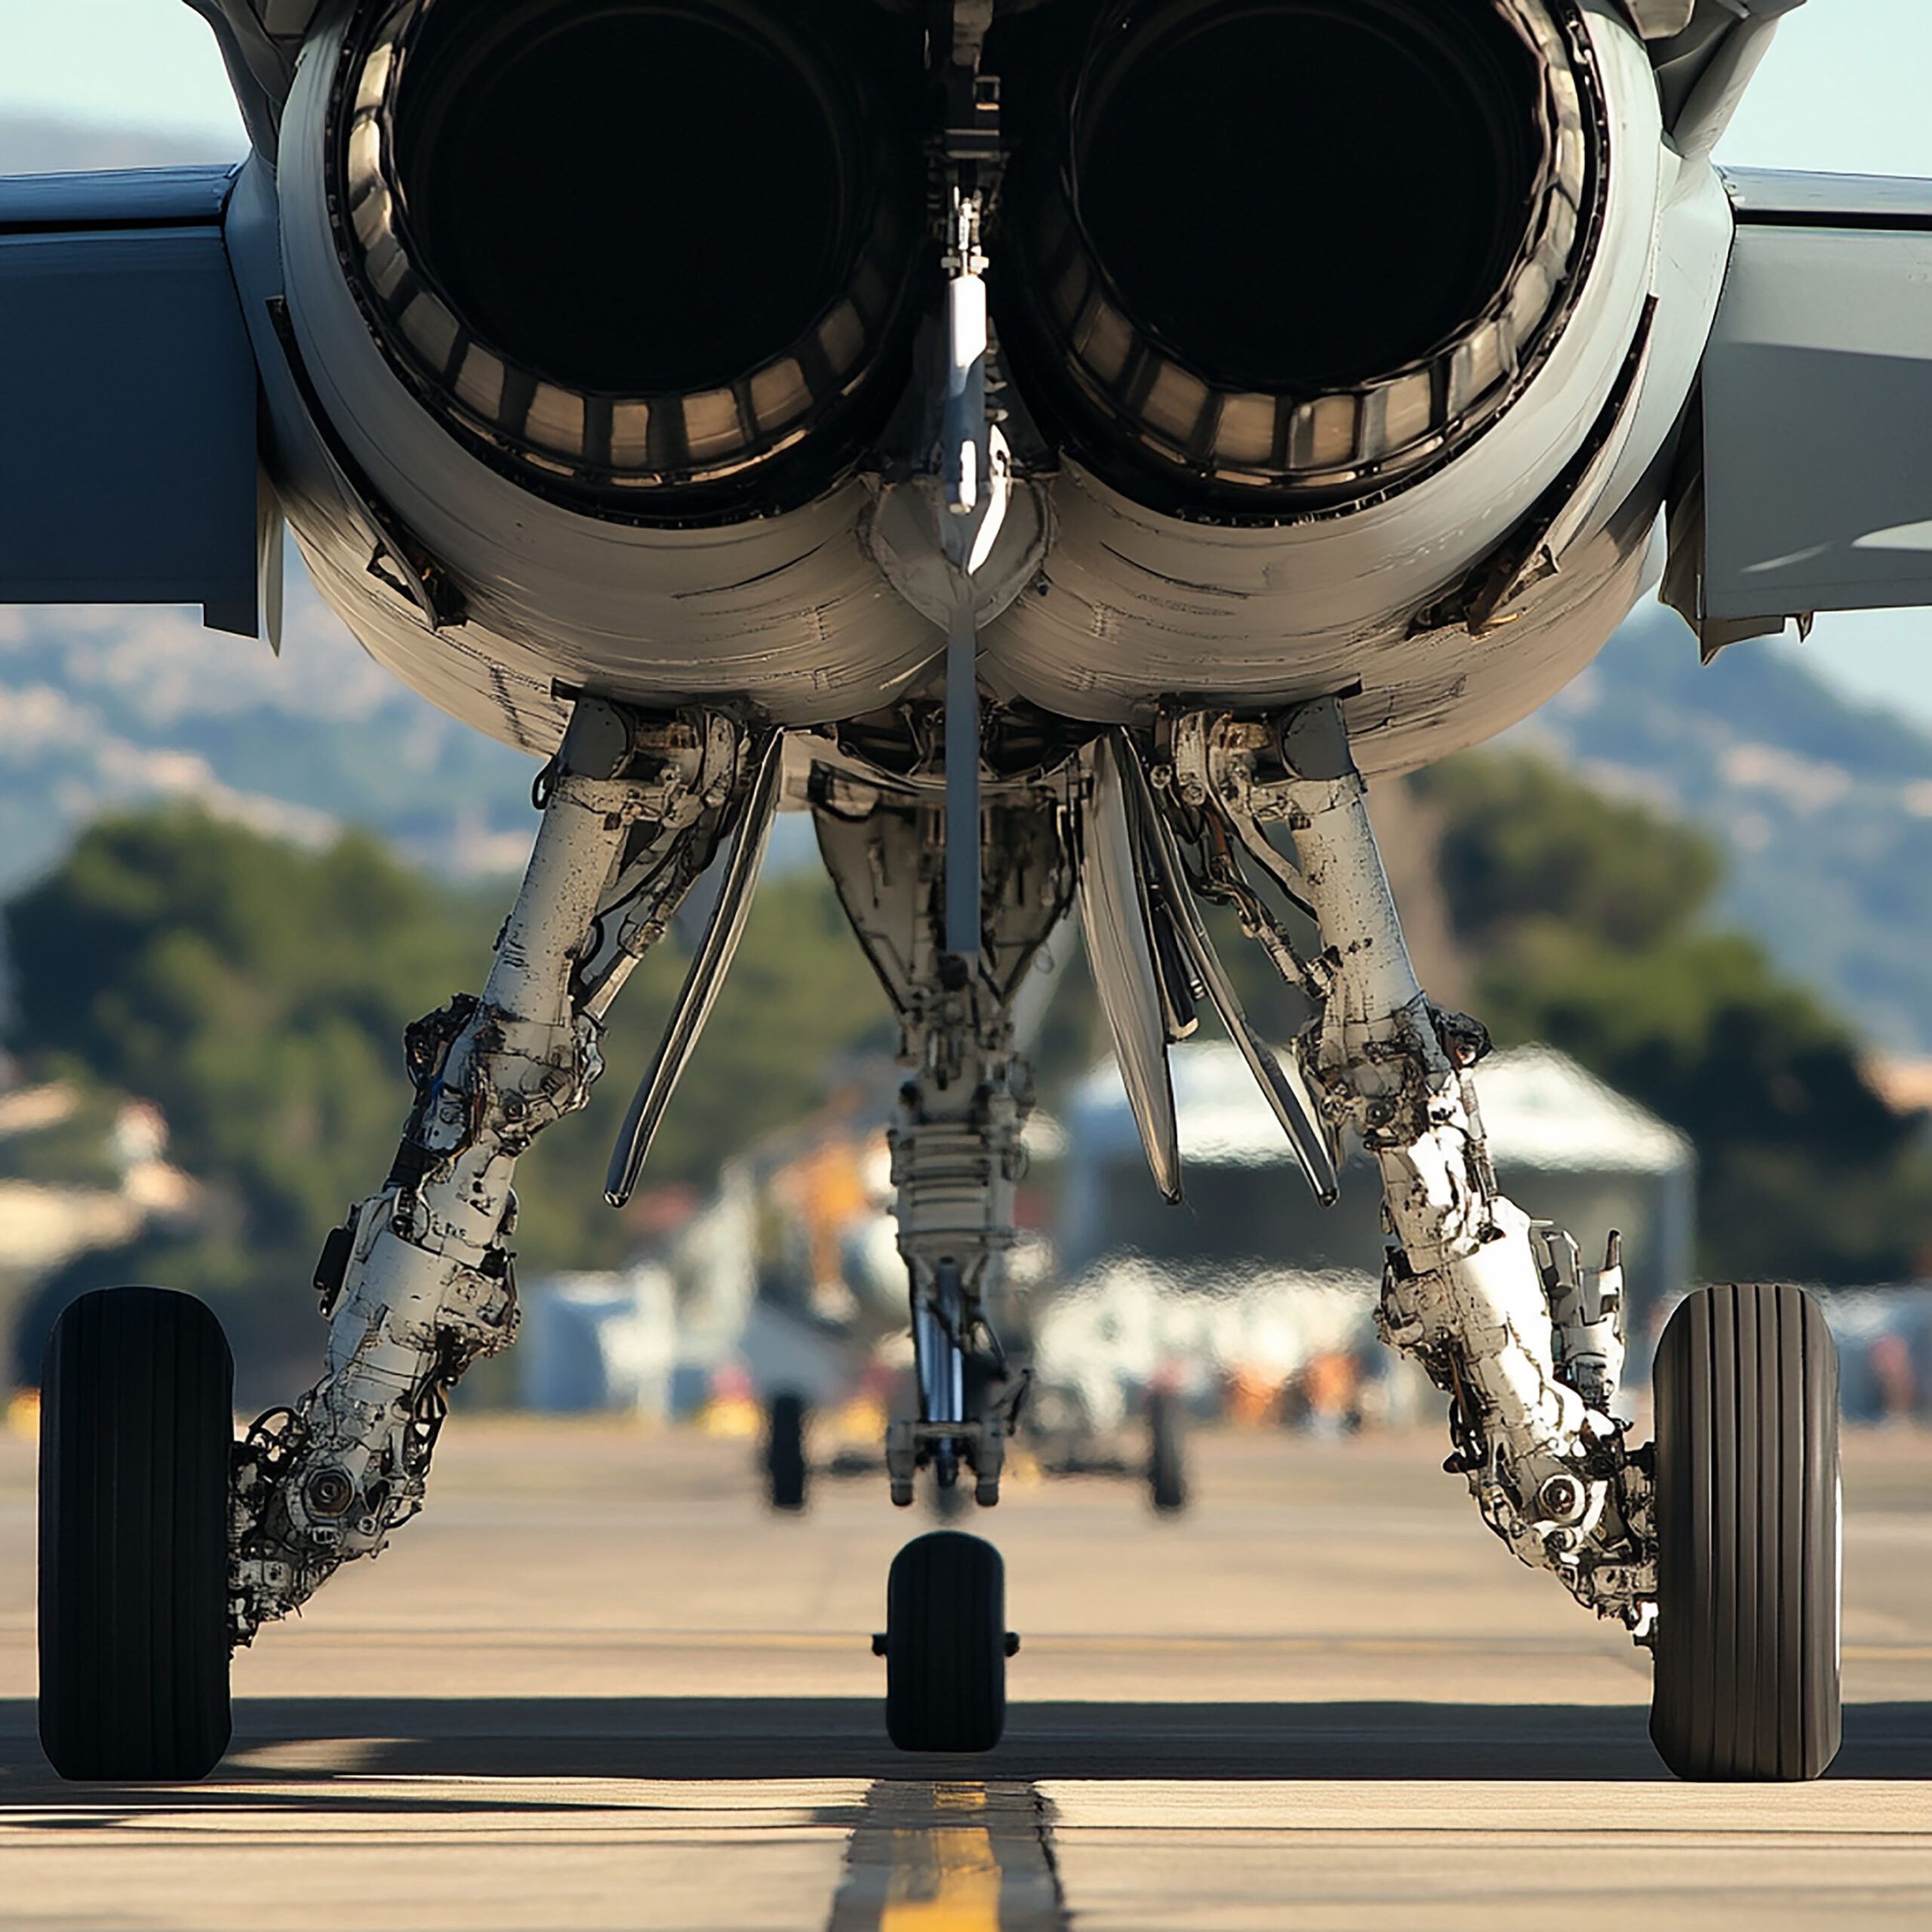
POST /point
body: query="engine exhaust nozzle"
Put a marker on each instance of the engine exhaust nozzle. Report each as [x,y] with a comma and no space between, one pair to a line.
[634,249]
[1290,252]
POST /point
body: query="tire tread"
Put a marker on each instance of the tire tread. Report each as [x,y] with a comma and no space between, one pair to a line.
[946,1655]
[1747,1646]
[137,1441]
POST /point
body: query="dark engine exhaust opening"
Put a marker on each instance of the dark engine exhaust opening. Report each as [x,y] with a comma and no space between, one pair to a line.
[631,198]
[1264,258]
[1306,194]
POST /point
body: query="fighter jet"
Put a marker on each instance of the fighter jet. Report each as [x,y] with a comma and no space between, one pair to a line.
[1070,448]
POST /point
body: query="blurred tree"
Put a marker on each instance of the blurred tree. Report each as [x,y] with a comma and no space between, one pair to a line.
[1520,842]
[1582,914]
[801,1006]
[257,993]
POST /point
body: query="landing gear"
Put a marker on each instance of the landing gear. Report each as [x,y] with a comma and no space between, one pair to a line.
[965,1092]
[420,1282]
[785,1452]
[137,1434]
[1747,1532]
[1718,1548]
[946,1644]
[966,1088]
[1166,1448]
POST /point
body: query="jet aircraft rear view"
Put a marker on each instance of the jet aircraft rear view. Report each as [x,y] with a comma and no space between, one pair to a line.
[1069,447]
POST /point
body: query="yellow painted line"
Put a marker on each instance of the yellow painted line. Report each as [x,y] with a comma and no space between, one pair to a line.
[945,1877]
[967,1855]
[942,1880]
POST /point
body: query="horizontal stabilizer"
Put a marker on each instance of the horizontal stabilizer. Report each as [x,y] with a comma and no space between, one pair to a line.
[1817,425]
[128,473]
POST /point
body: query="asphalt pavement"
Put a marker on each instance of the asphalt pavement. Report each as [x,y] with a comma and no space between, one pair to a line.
[598,1685]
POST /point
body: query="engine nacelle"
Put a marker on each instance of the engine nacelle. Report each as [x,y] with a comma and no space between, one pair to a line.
[604,305]
[1316,377]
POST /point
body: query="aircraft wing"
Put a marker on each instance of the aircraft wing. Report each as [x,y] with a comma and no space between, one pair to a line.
[129,396]
[1814,488]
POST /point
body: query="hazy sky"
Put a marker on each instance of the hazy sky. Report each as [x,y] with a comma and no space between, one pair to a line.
[1844,87]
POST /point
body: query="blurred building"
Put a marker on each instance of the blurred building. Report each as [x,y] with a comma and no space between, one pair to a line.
[1566,1149]
[1252,1286]
[1884,1342]
[651,1340]
[78,1172]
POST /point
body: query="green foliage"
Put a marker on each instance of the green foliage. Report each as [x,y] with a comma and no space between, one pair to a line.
[801,999]
[1583,914]
[245,986]
[1521,843]
[257,993]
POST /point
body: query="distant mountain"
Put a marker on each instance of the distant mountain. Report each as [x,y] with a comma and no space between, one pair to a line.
[99,705]
[1823,806]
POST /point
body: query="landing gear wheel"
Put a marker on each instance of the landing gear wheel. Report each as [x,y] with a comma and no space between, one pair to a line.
[137,1434]
[1746,1382]
[785,1452]
[946,1644]
[1167,1441]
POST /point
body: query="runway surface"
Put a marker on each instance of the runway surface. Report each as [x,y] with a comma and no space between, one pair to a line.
[596,1686]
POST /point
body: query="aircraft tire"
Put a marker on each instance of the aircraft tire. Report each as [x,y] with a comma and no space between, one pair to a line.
[1748,1520]
[1166,1452]
[946,1644]
[137,1441]
[785,1452]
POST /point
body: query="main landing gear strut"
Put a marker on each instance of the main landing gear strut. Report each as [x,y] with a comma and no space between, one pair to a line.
[157,1557]
[1716,1544]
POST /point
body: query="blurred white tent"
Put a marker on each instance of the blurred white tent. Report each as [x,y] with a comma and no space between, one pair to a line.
[1566,1149]
[1250,1276]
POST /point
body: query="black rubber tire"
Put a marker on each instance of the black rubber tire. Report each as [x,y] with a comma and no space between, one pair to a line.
[946,1644]
[1748,1558]
[1166,1452]
[785,1452]
[137,1439]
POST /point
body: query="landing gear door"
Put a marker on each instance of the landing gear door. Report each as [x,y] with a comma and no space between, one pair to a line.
[1814,491]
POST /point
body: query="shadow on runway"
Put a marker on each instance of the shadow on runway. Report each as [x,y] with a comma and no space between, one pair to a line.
[302,1740]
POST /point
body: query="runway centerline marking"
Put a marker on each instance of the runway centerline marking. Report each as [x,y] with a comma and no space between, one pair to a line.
[950,1856]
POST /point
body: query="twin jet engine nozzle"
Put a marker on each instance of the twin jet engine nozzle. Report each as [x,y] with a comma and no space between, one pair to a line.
[666,260]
